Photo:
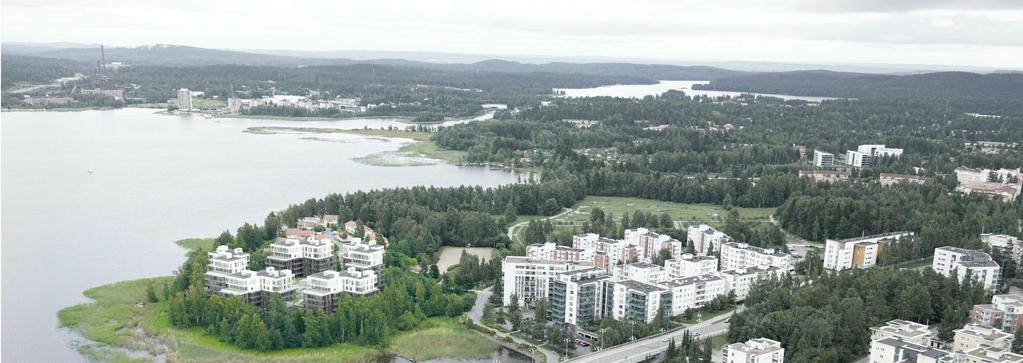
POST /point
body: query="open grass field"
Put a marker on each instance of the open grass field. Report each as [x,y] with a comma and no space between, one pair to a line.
[193,243]
[683,214]
[123,328]
[414,154]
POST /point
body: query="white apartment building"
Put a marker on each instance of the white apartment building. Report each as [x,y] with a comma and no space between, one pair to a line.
[758,350]
[640,271]
[904,330]
[689,265]
[740,255]
[227,274]
[879,150]
[302,256]
[741,280]
[823,159]
[857,159]
[1004,312]
[551,251]
[606,252]
[637,301]
[648,244]
[982,175]
[578,297]
[705,238]
[184,99]
[950,260]
[363,257]
[858,252]
[973,336]
[529,278]
[985,354]
[694,291]
[895,350]
[325,288]
[1006,243]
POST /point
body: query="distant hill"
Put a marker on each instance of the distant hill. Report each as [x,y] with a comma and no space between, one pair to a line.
[176,55]
[858,85]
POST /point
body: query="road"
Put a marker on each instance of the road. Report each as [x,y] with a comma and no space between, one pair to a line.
[476,313]
[640,350]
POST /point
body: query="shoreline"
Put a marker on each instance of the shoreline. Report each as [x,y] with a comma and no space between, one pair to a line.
[119,325]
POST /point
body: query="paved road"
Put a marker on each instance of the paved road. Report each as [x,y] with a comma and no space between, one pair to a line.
[476,313]
[640,350]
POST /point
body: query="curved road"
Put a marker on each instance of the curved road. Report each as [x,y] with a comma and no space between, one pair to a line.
[511,230]
[476,313]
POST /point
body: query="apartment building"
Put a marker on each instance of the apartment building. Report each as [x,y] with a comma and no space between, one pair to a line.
[860,252]
[1002,183]
[983,175]
[363,257]
[577,297]
[887,179]
[972,336]
[823,159]
[1010,245]
[694,291]
[904,330]
[324,289]
[739,281]
[606,252]
[689,265]
[879,150]
[638,301]
[757,350]
[706,239]
[648,244]
[227,274]
[303,257]
[984,354]
[736,255]
[640,271]
[551,251]
[184,99]
[895,350]
[1004,312]
[529,278]
[857,159]
[825,176]
[961,262]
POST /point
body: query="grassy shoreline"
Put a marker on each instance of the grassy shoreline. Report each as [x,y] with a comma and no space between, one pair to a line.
[121,327]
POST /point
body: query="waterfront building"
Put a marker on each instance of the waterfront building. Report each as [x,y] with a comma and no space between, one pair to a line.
[363,257]
[184,99]
[303,257]
[227,274]
[324,289]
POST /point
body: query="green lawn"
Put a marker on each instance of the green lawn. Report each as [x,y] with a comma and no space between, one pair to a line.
[414,135]
[685,214]
[414,154]
[442,338]
[193,243]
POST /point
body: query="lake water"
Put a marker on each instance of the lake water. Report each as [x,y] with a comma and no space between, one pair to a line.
[643,90]
[95,197]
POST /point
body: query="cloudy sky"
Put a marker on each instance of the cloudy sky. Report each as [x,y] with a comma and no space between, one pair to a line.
[976,33]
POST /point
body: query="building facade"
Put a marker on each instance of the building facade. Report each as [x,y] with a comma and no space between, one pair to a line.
[758,350]
[823,159]
[184,99]
[577,297]
[741,255]
[324,289]
[303,257]
[861,252]
[529,279]
[961,262]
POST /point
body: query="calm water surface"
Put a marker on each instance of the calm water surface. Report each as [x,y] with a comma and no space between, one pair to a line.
[643,90]
[94,197]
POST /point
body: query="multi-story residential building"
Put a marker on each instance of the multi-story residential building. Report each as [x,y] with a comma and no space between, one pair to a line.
[973,336]
[904,330]
[861,252]
[823,159]
[740,281]
[887,179]
[706,239]
[1007,244]
[303,257]
[825,176]
[640,271]
[981,175]
[757,350]
[694,291]
[637,301]
[649,244]
[740,255]
[553,252]
[961,262]
[529,278]
[857,159]
[689,265]
[895,350]
[578,297]
[363,257]
[227,274]
[324,289]
[1002,183]
[1004,312]
[607,252]
[879,150]
[184,99]
[1004,191]
[985,354]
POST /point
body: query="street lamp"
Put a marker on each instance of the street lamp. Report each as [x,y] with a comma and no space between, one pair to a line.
[602,330]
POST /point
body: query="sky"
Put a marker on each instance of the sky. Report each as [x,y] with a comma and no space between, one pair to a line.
[986,33]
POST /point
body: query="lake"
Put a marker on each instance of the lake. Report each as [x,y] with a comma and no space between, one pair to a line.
[95,197]
[643,90]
